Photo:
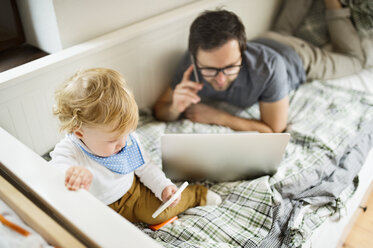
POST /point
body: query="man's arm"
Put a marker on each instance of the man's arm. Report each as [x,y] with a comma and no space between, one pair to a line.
[163,107]
[273,117]
[275,114]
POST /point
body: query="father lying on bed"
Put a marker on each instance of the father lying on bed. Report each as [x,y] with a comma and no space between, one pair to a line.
[263,70]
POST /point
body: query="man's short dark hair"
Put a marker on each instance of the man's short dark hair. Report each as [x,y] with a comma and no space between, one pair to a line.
[212,29]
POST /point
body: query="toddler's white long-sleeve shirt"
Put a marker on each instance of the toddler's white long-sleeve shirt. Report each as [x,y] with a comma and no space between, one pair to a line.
[107,185]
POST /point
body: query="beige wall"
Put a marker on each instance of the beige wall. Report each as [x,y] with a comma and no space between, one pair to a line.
[83,20]
[59,24]
[54,25]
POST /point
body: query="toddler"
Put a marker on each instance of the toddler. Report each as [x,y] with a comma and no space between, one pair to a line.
[102,153]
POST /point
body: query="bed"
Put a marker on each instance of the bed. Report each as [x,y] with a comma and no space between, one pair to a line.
[322,179]
[318,175]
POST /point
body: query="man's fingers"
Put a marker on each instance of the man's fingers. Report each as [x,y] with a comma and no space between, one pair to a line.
[193,86]
[187,95]
[187,73]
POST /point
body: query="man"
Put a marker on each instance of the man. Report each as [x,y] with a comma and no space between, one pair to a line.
[264,70]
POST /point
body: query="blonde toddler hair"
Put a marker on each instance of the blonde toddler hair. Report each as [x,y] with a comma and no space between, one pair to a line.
[94,98]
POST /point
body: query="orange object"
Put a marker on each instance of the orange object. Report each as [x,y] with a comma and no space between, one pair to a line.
[155,227]
[13,226]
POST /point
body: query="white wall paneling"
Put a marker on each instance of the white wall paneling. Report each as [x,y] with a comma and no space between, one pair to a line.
[146,53]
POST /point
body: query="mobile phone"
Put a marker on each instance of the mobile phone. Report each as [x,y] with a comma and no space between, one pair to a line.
[194,69]
[171,200]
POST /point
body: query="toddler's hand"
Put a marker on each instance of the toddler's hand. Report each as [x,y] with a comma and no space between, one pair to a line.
[78,177]
[168,192]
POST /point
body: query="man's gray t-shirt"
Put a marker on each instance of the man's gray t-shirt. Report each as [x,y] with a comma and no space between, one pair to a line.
[270,70]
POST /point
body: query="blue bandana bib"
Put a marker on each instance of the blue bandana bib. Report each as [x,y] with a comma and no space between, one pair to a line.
[125,161]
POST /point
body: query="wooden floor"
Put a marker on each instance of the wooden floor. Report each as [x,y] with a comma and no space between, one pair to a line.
[361,235]
[19,55]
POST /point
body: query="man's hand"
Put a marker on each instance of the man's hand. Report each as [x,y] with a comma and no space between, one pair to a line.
[185,93]
[168,192]
[204,114]
[78,177]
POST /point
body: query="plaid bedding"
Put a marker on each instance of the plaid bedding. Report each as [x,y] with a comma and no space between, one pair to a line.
[331,133]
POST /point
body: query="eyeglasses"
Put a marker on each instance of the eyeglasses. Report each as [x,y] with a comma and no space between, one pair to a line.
[213,72]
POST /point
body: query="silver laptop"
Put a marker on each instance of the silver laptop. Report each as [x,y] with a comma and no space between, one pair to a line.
[222,157]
